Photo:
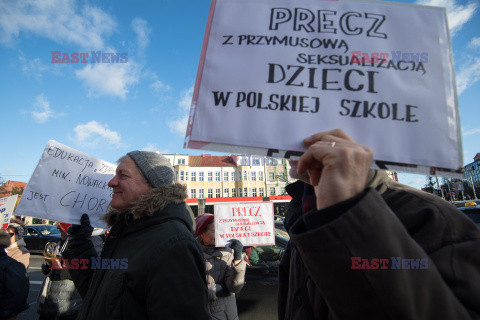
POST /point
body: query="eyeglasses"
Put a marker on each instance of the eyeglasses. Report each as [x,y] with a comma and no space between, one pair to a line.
[11,234]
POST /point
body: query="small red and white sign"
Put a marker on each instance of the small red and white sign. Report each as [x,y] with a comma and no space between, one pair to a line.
[250,223]
[6,209]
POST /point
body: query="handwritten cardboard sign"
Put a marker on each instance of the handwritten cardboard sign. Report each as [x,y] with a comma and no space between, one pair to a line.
[250,223]
[272,73]
[67,183]
[6,209]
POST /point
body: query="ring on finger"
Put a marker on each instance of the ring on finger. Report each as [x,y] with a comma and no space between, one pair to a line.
[332,144]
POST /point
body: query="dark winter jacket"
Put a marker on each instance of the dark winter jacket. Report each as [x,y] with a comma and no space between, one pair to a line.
[157,271]
[321,276]
[14,285]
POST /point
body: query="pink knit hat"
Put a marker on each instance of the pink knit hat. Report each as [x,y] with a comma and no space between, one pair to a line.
[202,222]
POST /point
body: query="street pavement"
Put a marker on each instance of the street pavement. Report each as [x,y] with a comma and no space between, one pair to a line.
[257,300]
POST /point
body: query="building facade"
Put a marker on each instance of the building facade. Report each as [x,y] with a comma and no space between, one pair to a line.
[209,176]
[472,172]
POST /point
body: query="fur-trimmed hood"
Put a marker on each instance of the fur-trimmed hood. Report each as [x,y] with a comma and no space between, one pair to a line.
[4,238]
[152,202]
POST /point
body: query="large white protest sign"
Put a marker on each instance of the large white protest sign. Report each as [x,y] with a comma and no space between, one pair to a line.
[250,223]
[66,184]
[274,72]
[6,209]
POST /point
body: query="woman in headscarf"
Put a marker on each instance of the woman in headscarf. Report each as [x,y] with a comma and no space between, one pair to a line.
[225,270]
[58,298]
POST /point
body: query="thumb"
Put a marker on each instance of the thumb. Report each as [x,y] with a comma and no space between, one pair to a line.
[85,220]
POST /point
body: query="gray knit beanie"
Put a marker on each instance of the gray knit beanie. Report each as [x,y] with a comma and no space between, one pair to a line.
[156,168]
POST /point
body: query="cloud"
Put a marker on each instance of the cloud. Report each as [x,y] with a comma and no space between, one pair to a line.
[468,74]
[143,31]
[471,132]
[35,67]
[457,14]
[42,110]
[63,21]
[112,79]
[159,86]
[179,125]
[154,148]
[186,99]
[93,134]
[474,43]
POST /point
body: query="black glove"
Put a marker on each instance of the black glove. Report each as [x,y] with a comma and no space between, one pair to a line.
[46,268]
[79,234]
[221,291]
[237,247]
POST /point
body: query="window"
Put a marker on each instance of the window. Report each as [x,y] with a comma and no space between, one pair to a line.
[225,176]
[245,176]
[193,193]
[200,176]
[176,175]
[225,192]
[271,176]
[272,162]
[233,176]
[255,161]
[217,176]
[260,191]
[272,191]
[200,194]
[194,176]
[210,193]
[240,176]
[182,175]
[234,192]
[260,176]
[240,192]
[254,176]
[245,192]
[217,193]
[210,176]
[244,161]
[181,161]
[254,192]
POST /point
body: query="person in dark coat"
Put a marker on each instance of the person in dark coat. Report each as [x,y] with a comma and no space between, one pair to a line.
[14,285]
[151,266]
[58,298]
[363,246]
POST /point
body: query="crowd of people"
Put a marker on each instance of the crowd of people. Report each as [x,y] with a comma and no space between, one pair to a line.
[340,210]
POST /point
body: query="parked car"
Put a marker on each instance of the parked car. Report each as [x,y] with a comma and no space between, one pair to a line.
[473,212]
[279,225]
[465,203]
[41,237]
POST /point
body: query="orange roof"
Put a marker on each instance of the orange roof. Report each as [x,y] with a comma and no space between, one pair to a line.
[14,184]
[212,161]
